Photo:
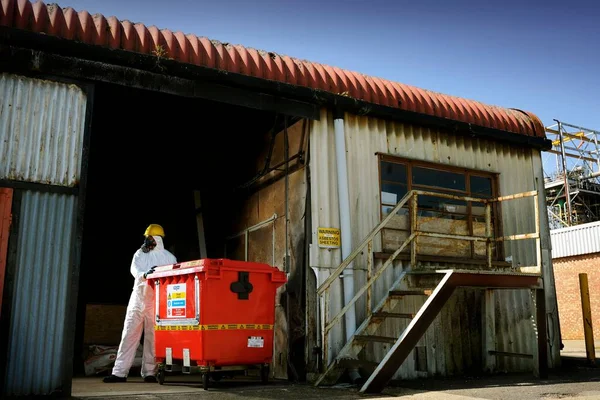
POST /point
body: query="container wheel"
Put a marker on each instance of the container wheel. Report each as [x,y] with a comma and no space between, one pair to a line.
[160,377]
[264,373]
[205,381]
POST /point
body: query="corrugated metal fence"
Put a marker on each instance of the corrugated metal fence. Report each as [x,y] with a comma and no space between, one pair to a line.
[37,329]
[42,126]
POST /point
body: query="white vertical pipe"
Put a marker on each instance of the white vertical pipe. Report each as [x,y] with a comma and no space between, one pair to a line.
[346,231]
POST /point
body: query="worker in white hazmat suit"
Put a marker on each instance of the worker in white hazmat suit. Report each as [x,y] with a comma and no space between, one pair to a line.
[140,310]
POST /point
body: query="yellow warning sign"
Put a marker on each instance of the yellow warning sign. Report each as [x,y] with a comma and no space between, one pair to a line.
[329,238]
[177,295]
[214,327]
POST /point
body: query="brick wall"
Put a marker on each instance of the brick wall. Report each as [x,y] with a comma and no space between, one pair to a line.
[566,274]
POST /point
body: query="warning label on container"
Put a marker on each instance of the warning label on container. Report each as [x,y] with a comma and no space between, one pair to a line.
[256,341]
[176,301]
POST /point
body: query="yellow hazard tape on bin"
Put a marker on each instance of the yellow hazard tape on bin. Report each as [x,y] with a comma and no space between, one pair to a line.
[213,327]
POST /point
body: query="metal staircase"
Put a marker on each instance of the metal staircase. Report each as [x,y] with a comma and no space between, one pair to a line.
[444,283]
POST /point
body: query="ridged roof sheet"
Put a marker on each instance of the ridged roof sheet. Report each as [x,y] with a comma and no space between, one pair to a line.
[113,33]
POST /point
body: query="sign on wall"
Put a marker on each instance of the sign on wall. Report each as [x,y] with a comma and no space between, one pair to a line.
[329,238]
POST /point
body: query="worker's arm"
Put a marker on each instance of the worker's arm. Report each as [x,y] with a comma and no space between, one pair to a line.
[138,265]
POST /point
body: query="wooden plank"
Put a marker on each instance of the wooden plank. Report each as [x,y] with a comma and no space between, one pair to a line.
[509,354]
[392,315]
[416,292]
[375,338]
[438,259]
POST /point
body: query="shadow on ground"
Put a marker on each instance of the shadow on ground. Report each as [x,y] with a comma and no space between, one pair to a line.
[573,370]
[574,378]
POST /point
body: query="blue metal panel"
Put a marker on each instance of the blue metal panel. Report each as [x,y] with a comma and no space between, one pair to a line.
[36,353]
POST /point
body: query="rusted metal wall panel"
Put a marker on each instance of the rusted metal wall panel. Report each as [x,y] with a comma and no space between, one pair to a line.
[366,136]
[40,294]
[268,243]
[576,240]
[41,130]
[6,198]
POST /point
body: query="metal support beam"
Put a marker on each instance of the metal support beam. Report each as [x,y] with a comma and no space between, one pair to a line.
[586,310]
[542,334]
[434,304]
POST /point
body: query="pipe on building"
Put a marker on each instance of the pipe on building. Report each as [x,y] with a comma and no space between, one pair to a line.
[590,176]
[345,227]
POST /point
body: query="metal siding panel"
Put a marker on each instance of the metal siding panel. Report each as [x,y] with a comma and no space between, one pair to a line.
[41,130]
[324,211]
[37,330]
[450,351]
[576,240]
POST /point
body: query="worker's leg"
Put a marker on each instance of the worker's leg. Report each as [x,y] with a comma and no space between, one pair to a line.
[148,362]
[130,339]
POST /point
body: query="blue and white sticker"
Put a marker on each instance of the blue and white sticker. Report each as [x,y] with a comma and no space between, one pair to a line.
[176,301]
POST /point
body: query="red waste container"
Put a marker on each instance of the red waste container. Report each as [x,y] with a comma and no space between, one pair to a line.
[214,316]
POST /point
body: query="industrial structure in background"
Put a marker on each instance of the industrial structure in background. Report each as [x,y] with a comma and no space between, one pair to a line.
[573,188]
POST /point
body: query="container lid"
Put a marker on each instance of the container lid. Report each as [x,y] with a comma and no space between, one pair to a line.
[191,267]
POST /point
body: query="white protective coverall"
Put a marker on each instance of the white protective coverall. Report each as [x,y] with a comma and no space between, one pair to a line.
[140,312]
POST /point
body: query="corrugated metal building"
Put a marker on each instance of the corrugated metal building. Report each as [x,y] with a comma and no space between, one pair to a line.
[576,250]
[576,240]
[56,65]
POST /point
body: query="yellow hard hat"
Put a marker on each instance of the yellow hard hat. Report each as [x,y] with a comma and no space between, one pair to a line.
[154,230]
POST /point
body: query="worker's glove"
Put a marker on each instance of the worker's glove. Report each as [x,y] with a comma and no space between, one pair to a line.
[149,244]
[150,271]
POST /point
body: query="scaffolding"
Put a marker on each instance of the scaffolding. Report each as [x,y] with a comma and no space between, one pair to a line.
[573,188]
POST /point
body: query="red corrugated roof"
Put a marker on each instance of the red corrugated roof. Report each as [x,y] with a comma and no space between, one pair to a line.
[113,33]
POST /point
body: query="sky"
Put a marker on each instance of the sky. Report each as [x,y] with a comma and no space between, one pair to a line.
[540,56]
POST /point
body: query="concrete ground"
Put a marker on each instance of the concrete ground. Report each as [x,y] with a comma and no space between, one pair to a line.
[576,379]
[576,348]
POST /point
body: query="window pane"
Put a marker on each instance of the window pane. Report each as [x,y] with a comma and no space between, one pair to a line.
[385,210]
[443,205]
[444,179]
[477,208]
[393,172]
[391,194]
[481,186]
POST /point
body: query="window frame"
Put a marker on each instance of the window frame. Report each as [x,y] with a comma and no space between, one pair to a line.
[468,173]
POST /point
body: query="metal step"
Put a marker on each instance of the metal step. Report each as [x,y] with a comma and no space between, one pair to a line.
[354,363]
[412,292]
[392,315]
[376,339]
[353,347]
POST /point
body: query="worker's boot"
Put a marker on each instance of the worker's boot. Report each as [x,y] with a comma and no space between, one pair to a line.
[150,379]
[114,379]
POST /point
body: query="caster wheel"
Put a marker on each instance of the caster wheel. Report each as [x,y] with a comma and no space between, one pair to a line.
[160,377]
[205,381]
[264,373]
